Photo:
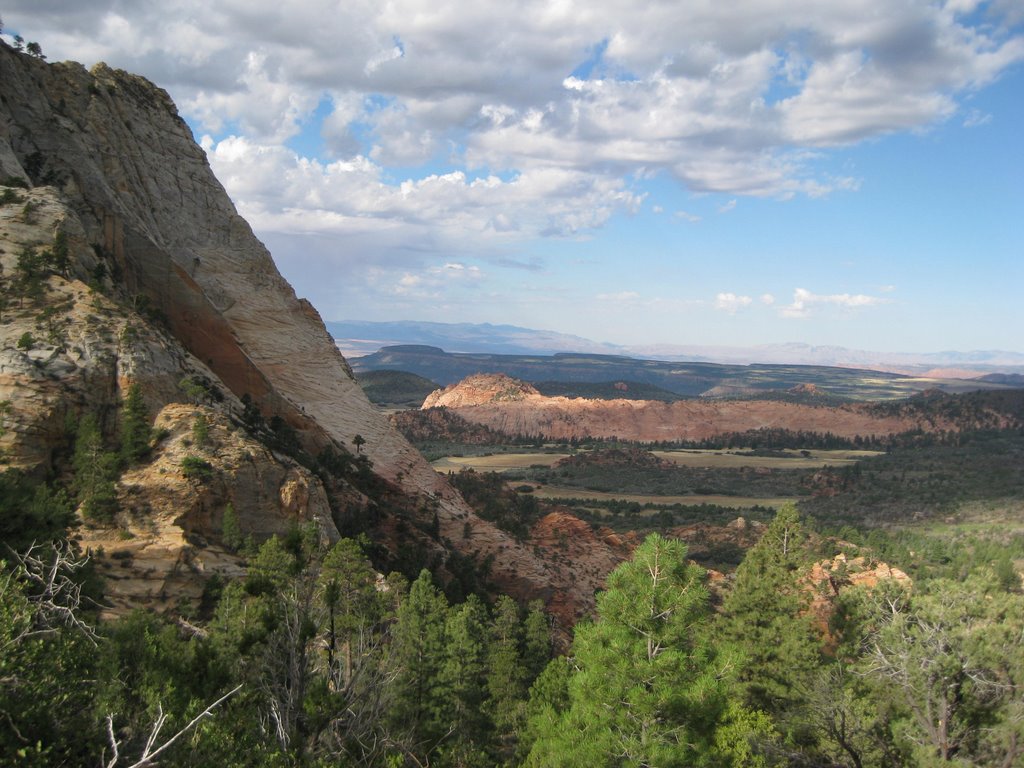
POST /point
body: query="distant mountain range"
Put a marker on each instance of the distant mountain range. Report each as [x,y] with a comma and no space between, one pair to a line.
[570,373]
[359,338]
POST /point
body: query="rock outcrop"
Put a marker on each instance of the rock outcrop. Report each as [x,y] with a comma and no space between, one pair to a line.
[829,578]
[181,288]
[481,389]
[478,400]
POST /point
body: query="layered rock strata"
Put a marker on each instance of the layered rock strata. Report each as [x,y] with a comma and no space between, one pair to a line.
[108,162]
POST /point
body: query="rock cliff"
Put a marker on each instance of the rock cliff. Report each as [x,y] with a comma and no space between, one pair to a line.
[504,405]
[162,281]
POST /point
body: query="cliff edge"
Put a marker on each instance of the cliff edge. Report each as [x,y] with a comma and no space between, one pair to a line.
[165,280]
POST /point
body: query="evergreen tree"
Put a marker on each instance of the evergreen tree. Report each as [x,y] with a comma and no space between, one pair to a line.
[59,258]
[30,512]
[952,661]
[647,688]
[200,430]
[419,655]
[349,605]
[766,617]
[536,640]
[231,529]
[506,676]
[95,472]
[464,678]
[47,682]
[136,429]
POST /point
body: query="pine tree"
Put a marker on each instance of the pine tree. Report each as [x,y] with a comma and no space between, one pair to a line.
[349,604]
[766,617]
[231,529]
[464,678]
[419,655]
[506,677]
[647,688]
[536,640]
[95,473]
[136,430]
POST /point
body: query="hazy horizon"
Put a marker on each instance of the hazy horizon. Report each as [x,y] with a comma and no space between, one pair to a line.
[512,339]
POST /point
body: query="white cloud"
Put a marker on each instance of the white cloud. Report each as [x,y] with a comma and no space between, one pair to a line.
[767,299]
[282,192]
[688,89]
[804,302]
[730,302]
[454,130]
[977,118]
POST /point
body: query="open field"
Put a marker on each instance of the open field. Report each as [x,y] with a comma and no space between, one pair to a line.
[498,462]
[793,459]
[502,462]
[557,492]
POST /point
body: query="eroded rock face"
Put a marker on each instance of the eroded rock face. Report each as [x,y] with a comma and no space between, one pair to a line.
[561,418]
[169,533]
[590,555]
[480,389]
[190,292]
[828,578]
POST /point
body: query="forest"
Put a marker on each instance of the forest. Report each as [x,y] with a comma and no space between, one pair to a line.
[315,659]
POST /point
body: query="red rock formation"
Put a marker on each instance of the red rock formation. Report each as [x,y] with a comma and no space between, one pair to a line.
[561,418]
[828,578]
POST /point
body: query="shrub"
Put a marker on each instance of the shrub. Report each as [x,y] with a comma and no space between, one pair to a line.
[200,430]
[10,197]
[195,468]
[231,529]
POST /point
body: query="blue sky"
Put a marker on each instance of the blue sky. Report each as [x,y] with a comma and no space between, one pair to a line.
[837,173]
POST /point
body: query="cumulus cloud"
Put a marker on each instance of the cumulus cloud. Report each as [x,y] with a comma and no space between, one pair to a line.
[280,191]
[689,89]
[450,127]
[804,302]
[730,302]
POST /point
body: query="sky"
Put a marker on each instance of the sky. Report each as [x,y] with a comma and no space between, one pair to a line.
[832,172]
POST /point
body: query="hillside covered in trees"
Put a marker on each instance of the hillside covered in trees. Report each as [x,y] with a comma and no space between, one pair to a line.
[315,659]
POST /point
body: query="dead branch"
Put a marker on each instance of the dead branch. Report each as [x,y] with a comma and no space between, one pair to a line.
[149,753]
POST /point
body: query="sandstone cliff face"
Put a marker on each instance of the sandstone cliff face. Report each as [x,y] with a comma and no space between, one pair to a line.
[168,540]
[109,163]
[481,388]
[562,418]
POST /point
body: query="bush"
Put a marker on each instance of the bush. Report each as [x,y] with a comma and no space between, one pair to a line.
[195,468]
[26,341]
[10,197]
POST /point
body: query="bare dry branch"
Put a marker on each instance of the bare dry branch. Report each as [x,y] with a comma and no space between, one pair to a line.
[149,754]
